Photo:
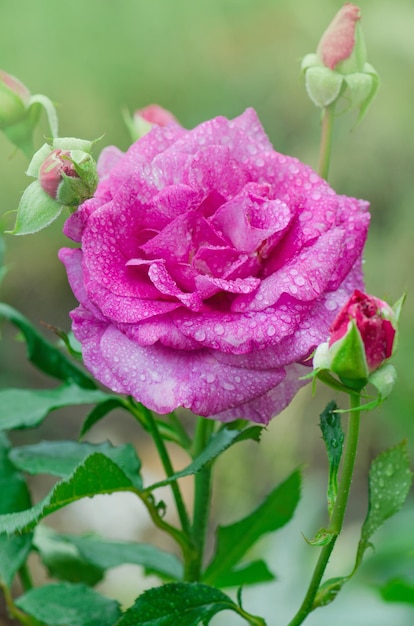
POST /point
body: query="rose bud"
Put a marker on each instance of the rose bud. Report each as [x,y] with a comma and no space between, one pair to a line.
[362,338]
[339,40]
[14,100]
[145,119]
[68,176]
[339,67]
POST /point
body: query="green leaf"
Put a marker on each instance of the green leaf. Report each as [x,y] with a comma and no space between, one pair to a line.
[328,591]
[398,590]
[36,210]
[14,497]
[97,474]
[390,480]
[179,604]
[44,355]
[247,574]
[333,437]
[101,410]
[106,554]
[26,408]
[235,540]
[63,560]
[13,488]
[321,538]
[63,604]
[60,458]
[14,552]
[218,443]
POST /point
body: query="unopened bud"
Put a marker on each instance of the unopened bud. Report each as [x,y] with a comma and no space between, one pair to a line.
[362,339]
[14,100]
[68,176]
[339,40]
[145,119]
[339,69]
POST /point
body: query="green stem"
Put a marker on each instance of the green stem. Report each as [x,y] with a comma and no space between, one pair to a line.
[14,611]
[25,577]
[202,496]
[337,515]
[180,430]
[169,470]
[178,536]
[326,141]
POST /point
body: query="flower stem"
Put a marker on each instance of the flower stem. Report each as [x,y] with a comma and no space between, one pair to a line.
[184,439]
[337,519]
[202,496]
[152,427]
[326,141]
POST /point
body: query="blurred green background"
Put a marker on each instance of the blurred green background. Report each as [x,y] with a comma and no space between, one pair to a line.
[202,58]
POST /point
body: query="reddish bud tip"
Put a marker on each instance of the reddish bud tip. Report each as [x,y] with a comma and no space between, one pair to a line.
[14,100]
[53,167]
[338,41]
[155,114]
[373,319]
[16,86]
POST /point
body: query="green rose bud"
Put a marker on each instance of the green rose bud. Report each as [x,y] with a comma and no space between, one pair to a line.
[14,100]
[339,68]
[68,176]
[65,175]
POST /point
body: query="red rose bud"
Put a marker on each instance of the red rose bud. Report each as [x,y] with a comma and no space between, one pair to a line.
[362,338]
[14,100]
[144,119]
[374,320]
[68,176]
[339,67]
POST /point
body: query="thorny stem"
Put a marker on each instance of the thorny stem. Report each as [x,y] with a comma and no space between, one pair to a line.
[337,515]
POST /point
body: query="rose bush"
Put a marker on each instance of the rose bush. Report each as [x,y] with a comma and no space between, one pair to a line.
[210,268]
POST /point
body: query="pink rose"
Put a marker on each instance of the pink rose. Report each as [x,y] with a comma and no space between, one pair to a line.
[373,319]
[210,268]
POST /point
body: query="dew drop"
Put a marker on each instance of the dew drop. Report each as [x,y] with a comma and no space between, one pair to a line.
[389,470]
[331,419]
[200,335]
